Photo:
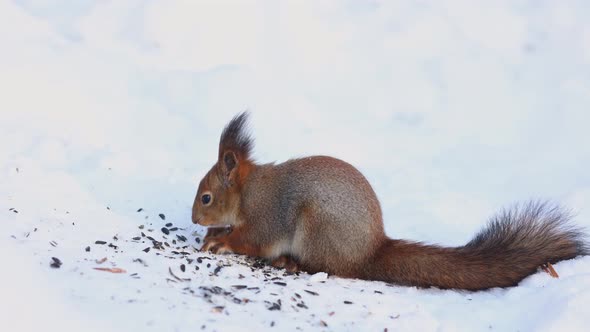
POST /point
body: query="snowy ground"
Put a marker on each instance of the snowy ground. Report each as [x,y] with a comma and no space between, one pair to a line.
[451,110]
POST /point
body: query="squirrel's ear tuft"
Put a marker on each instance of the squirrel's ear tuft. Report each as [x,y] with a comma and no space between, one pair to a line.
[235,138]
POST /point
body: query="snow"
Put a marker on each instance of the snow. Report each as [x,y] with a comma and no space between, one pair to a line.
[452,110]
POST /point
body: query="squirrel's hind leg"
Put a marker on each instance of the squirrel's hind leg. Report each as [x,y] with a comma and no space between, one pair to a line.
[285,262]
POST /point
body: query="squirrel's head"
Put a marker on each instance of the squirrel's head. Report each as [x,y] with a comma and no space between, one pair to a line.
[218,198]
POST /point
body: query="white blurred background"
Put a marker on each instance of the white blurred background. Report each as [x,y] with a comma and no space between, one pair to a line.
[452,109]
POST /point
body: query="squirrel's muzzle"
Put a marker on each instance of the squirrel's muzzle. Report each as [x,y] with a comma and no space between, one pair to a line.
[195,216]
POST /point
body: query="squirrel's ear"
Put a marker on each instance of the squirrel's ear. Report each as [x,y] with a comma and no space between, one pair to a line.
[229,167]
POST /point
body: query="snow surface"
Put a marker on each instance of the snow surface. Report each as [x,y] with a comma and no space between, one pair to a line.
[451,109]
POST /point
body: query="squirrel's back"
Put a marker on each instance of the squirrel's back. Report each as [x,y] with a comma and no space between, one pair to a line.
[334,186]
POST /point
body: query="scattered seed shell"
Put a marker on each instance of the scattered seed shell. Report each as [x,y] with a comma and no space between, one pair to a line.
[111,269]
[55,263]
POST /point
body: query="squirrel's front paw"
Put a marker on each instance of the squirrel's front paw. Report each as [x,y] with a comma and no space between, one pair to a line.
[217,247]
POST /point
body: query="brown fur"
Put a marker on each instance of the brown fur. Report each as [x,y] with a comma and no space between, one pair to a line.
[322,214]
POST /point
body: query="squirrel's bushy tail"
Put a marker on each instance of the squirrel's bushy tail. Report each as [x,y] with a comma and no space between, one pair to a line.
[514,245]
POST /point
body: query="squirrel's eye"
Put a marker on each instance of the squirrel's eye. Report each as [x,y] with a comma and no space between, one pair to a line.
[206,199]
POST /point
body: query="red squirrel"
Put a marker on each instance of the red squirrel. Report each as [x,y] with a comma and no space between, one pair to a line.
[321,214]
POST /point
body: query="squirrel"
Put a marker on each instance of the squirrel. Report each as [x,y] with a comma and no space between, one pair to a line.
[320,214]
